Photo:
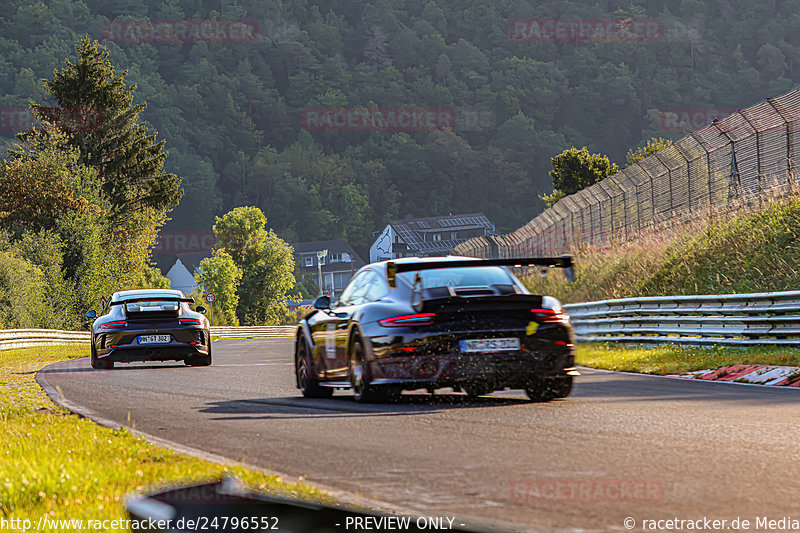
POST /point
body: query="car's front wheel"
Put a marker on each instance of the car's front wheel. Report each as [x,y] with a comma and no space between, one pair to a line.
[545,390]
[304,370]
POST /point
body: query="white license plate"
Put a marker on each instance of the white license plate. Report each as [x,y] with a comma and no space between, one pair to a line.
[154,339]
[490,345]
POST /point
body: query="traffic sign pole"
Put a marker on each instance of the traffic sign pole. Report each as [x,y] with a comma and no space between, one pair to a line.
[211,298]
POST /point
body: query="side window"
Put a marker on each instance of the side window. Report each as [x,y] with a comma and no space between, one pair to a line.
[376,288]
[355,289]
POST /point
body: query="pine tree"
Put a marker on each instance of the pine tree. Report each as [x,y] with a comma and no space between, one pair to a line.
[95,107]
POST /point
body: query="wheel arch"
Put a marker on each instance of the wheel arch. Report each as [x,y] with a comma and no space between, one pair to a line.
[303,333]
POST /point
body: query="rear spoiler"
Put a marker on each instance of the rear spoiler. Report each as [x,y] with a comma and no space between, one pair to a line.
[564,261]
[153,299]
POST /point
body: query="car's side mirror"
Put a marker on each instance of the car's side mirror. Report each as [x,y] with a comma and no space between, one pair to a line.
[91,314]
[323,302]
[200,309]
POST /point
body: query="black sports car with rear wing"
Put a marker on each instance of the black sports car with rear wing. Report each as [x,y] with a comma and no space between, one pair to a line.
[150,325]
[427,323]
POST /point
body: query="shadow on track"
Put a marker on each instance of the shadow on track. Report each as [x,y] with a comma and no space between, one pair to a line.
[71,370]
[345,406]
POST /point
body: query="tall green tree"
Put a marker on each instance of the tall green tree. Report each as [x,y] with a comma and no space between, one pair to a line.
[654,144]
[574,170]
[266,262]
[219,275]
[95,107]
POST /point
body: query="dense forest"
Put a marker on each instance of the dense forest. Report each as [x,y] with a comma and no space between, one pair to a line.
[232,112]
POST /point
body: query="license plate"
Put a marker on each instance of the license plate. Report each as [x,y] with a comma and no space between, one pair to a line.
[490,345]
[154,339]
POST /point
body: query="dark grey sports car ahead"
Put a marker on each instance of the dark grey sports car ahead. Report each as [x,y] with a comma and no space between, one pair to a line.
[150,325]
[437,322]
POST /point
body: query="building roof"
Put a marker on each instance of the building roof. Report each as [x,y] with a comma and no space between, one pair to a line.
[411,230]
[191,260]
[336,246]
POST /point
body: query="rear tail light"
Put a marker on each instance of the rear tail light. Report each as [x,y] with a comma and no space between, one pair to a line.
[189,321]
[550,315]
[117,324]
[420,319]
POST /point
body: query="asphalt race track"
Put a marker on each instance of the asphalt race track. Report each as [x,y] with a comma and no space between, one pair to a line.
[621,446]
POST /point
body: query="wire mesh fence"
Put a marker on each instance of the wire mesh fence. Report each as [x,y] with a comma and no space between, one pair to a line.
[740,160]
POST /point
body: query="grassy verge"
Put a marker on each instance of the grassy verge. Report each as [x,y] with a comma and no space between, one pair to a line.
[668,359]
[58,464]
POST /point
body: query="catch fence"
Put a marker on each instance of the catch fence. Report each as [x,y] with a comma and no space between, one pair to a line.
[743,159]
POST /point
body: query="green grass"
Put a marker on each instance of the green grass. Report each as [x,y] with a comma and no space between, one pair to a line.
[58,464]
[671,359]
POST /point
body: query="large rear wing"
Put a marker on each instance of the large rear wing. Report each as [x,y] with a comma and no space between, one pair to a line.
[153,299]
[564,261]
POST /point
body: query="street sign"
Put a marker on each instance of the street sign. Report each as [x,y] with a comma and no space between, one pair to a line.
[210,298]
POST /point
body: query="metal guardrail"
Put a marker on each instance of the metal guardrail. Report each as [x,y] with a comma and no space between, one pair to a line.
[27,338]
[723,319]
[728,319]
[252,331]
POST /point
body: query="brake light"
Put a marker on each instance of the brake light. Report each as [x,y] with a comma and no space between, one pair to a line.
[420,319]
[189,321]
[117,324]
[550,315]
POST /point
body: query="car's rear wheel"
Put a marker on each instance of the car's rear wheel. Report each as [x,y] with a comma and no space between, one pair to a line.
[100,364]
[363,391]
[549,389]
[199,360]
[304,370]
[475,389]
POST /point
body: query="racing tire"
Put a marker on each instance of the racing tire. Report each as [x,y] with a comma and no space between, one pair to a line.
[100,364]
[303,365]
[549,389]
[363,392]
[199,360]
[473,390]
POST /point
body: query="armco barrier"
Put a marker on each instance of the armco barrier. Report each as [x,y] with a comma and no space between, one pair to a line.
[26,338]
[728,319]
[724,319]
[252,331]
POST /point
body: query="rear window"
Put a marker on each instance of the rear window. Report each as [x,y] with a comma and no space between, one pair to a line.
[460,277]
[152,305]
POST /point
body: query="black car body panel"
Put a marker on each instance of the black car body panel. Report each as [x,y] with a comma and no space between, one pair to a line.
[413,336]
[150,325]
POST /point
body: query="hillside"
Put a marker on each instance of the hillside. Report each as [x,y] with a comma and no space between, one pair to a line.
[232,113]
